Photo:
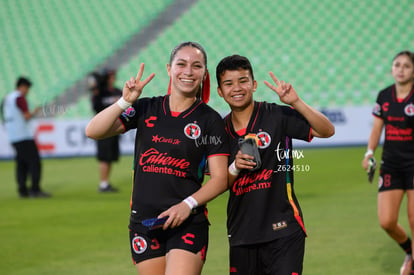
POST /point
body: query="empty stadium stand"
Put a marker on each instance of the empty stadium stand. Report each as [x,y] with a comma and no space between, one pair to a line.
[335,53]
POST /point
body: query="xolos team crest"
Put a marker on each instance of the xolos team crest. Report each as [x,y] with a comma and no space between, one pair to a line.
[264,140]
[409,109]
[192,130]
[139,244]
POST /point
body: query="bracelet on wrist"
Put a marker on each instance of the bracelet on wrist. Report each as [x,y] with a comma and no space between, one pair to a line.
[123,104]
[233,170]
[369,152]
[191,202]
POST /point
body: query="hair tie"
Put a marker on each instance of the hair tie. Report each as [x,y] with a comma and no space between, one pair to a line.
[205,92]
[169,87]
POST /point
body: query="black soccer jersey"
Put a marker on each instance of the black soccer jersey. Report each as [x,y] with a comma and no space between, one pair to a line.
[398,117]
[262,204]
[170,152]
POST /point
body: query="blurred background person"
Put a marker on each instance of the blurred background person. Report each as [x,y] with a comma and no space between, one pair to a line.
[16,115]
[104,94]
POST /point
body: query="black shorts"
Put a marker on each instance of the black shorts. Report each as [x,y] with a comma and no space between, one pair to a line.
[282,256]
[392,180]
[108,149]
[147,244]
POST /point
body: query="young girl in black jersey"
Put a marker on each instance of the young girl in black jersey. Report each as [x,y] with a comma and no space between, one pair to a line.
[176,135]
[394,111]
[264,220]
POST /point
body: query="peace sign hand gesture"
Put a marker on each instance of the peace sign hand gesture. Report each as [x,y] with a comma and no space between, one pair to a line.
[285,91]
[133,87]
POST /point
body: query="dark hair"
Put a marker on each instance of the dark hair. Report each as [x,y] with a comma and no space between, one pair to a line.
[233,63]
[22,81]
[410,54]
[106,74]
[188,44]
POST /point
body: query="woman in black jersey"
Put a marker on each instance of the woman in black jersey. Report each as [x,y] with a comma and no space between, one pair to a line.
[394,112]
[176,135]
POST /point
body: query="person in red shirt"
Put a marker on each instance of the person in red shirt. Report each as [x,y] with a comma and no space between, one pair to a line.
[16,115]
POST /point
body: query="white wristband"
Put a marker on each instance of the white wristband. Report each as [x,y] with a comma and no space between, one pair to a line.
[369,153]
[123,104]
[233,170]
[191,202]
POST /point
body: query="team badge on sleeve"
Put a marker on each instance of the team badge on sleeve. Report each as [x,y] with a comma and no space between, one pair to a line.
[128,113]
[192,130]
[377,109]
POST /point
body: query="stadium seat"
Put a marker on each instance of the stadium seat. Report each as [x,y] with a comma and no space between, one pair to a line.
[338,52]
[59,43]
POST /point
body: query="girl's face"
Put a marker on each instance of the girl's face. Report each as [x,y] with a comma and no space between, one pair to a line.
[187,71]
[237,88]
[402,69]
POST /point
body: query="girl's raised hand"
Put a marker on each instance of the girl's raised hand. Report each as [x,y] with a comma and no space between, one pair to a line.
[133,88]
[285,91]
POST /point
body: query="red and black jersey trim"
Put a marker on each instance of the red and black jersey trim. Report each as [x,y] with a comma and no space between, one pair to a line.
[167,110]
[394,95]
[229,125]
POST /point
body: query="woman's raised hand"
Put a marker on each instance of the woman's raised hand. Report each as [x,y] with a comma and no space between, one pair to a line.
[133,88]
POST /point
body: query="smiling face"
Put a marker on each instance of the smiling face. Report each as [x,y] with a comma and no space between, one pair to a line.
[187,71]
[402,69]
[236,87]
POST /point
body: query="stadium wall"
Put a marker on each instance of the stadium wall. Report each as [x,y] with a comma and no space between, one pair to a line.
[66,138]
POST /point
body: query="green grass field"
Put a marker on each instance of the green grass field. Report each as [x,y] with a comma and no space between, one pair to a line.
[79,231]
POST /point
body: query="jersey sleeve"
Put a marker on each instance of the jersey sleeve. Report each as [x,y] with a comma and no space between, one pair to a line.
[21,102]
[296,125]
[129,117]
[377,110]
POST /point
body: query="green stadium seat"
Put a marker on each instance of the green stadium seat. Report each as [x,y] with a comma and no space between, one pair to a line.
[65,40]
[338,52]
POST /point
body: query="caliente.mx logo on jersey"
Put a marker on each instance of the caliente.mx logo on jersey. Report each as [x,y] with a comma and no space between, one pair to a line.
[192,130]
